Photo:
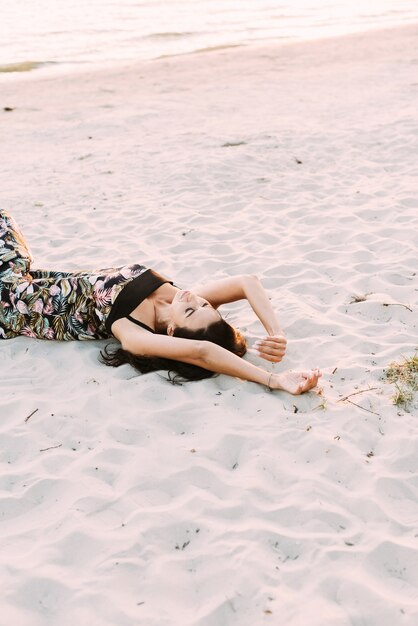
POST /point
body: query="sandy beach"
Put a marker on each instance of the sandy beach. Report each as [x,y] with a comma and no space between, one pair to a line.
[126,501]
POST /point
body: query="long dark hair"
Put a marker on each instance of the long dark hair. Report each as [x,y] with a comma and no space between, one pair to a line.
[220,332]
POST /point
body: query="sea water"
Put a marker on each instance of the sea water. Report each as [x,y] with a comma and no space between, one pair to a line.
[84,32]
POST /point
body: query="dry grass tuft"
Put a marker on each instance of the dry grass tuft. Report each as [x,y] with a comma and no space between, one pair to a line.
[355,298]
[404,375]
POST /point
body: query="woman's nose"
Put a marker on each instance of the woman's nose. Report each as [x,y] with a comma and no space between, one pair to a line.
[191,298]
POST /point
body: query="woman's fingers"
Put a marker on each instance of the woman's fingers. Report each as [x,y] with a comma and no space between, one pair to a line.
[273,358]
[271,341]
[271,351]
[271,348]
[311,379]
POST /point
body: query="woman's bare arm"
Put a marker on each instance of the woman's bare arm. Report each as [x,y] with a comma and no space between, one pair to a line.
[260,303]
[217,359]
[202,353]
[243,287]
[211,357]
[249,287]
[143,343]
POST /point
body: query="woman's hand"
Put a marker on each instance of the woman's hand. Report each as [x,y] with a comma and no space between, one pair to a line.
[271,348]
[295,382]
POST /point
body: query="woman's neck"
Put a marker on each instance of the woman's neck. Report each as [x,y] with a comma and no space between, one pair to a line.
[162,300]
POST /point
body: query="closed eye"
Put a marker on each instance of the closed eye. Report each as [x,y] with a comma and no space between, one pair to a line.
[193,310]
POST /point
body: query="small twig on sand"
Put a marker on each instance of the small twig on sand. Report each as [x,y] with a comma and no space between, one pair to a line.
[355,393]
[29,416]
[362,407]
[51,448]
[397,304]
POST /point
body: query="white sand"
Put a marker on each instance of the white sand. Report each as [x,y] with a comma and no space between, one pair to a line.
[215,504]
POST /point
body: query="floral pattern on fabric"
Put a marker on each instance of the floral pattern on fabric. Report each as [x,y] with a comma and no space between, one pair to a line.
[51,304]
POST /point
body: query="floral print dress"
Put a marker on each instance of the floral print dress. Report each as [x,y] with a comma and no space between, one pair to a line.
[50,304]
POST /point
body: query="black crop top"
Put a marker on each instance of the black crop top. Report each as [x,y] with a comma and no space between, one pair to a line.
[133,294]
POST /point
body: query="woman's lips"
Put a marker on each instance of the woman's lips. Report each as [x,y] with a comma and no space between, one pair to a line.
[183,295]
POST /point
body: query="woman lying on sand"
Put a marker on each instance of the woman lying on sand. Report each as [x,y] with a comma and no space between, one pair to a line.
[159,326]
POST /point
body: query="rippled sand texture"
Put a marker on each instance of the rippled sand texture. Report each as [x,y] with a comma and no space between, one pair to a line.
[126,501]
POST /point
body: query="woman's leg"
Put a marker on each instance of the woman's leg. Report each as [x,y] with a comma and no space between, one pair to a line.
[15,260]
[15,257]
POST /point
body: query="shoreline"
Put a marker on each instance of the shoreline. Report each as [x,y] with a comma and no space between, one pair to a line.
[55,69]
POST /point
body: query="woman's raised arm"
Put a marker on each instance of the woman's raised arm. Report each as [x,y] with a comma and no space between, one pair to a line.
[143,343]
[217,359]
[249,287]
[211,357]
[243,287]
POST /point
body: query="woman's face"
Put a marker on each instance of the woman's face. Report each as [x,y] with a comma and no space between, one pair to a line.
[188,310]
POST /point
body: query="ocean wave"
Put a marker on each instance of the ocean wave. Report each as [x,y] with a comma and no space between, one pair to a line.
[170,35]
[202,50]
